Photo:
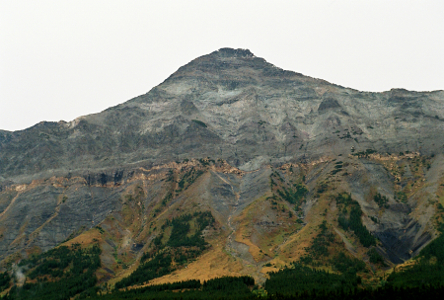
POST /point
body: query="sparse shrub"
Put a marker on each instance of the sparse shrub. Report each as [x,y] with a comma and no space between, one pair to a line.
[380,199]
[200,123]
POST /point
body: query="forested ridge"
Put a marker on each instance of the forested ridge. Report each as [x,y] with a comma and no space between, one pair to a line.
[60,273]
[182,246]
[350,218]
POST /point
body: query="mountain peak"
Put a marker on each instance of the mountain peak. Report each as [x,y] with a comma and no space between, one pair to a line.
[233,65]
[231,52]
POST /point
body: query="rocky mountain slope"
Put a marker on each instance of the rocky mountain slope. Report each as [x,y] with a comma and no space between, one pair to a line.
[271,154]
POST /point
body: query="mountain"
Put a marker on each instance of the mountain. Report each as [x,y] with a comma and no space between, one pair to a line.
[252,112]
[230,159]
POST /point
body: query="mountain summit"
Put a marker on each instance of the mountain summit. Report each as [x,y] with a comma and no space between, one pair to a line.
[233,105]
[255,164]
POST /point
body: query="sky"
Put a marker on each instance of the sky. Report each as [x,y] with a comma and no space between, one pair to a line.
[63,59]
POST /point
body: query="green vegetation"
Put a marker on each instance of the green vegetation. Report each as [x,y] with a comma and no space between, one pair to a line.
[189,178]
[429,269]
[294,196]
[319,246]
[182,246]
[319,250]
[436,248]
[69,272]
[61,273]
[353,220]
[167,198]
[272,183]
[321,188]
[298,281]
[170,176]
[337,168]
[158,266]
[364,154]
[347,265]
[374,219]
[375,257]
[303,282]
[424,279]
[200,123]
[401,196]
[218,288]
[5,279]
[346,136]
[381,200]
[419,275]
[181,228]
[188,284]
[204,162]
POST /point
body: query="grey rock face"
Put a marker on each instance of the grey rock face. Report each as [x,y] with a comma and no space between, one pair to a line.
[247,109]
[46,215]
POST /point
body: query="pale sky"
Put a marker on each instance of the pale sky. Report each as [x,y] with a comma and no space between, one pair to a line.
[63,59]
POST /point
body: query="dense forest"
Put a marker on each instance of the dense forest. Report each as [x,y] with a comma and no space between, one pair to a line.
[5,278]
[60,273]
[350,218]
[219,288]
